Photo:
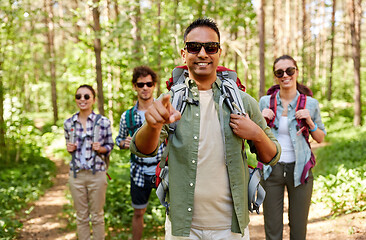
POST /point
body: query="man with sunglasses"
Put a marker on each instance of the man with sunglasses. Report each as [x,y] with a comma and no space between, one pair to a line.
[208,170]
[142,169]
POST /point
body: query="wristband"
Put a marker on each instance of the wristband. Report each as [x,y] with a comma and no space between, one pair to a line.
[315,128]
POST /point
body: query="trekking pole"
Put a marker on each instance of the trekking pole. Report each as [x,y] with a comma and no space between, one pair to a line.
[72,140]
[237,108]
[95,139]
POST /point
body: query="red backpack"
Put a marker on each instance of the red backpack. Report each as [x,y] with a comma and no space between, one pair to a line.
[301,126]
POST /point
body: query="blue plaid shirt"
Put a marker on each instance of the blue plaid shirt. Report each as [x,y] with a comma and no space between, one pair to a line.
[74,131]
[140,165]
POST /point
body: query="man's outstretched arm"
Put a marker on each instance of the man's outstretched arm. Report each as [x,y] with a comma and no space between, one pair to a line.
[159,113]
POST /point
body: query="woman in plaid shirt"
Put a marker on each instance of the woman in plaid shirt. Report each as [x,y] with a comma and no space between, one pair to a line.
[88,137]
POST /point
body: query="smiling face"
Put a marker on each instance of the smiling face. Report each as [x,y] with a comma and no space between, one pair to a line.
[82,103]
[202,66]
[144,93]
[286,81]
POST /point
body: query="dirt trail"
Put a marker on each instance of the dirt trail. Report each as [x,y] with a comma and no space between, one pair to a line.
[45,221]
[320,225]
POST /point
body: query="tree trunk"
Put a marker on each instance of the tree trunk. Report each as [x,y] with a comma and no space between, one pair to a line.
[261,21]
[176,30]
[159,49]
[332,34]
[116,10]
[304,38]
[136,31]
[355,12]
[297,27]
[274,27]
[77,29]
[98,58]
[287,27]
[236,56]
[48,7]
[2,121]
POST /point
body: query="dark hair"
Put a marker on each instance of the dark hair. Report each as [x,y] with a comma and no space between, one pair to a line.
[143,71]
[202,22]
[88,87]
[300,87]
[285,57]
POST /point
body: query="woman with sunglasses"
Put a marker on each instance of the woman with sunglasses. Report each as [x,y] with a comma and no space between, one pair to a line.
[89,139]
[296,152]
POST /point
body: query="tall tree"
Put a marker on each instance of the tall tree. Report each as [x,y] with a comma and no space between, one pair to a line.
[355,13]
[2,122]
[287,27]
[332,34]
[159,48]
[50,35]
[136,31]
[98,55]
[261,24]
[275,28]
[304,38]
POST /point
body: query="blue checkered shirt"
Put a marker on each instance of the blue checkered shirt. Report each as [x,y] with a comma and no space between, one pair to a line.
[137,166]
[74,129]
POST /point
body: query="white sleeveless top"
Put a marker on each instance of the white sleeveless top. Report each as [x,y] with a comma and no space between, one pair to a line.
[288,151]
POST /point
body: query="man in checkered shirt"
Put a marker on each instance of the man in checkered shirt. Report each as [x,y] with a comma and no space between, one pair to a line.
[142,169]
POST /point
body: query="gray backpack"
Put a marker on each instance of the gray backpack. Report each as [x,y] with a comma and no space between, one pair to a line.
[180,98]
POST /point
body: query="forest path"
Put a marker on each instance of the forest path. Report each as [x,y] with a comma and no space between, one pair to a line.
[320,224]
[45,221]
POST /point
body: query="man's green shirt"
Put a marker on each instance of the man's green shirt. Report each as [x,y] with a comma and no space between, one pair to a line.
[183,152]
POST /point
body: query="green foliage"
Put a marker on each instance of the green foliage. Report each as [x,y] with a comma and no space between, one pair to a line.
[340,173]
[343,192]
[21,182]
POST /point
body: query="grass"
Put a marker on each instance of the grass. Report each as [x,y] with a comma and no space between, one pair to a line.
[20,183]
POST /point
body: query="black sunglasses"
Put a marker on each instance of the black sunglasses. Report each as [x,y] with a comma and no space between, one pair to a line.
[78,96]
[195,47]
[289,71]
[142,84]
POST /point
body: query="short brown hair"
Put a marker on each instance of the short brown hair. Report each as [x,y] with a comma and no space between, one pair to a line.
[143,71]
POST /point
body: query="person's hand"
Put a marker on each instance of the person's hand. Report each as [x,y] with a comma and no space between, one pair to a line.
[304,114]
[161,112]
[71,147]
[268,113]
[244,127]
[126,142]
[96,146]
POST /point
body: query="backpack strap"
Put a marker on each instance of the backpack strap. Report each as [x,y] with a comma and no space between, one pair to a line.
[230,92]
[253,188]
[231,96]
[72,140]
[130,121]
[131,126]
[95,136]
[273,107]
[303,127]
